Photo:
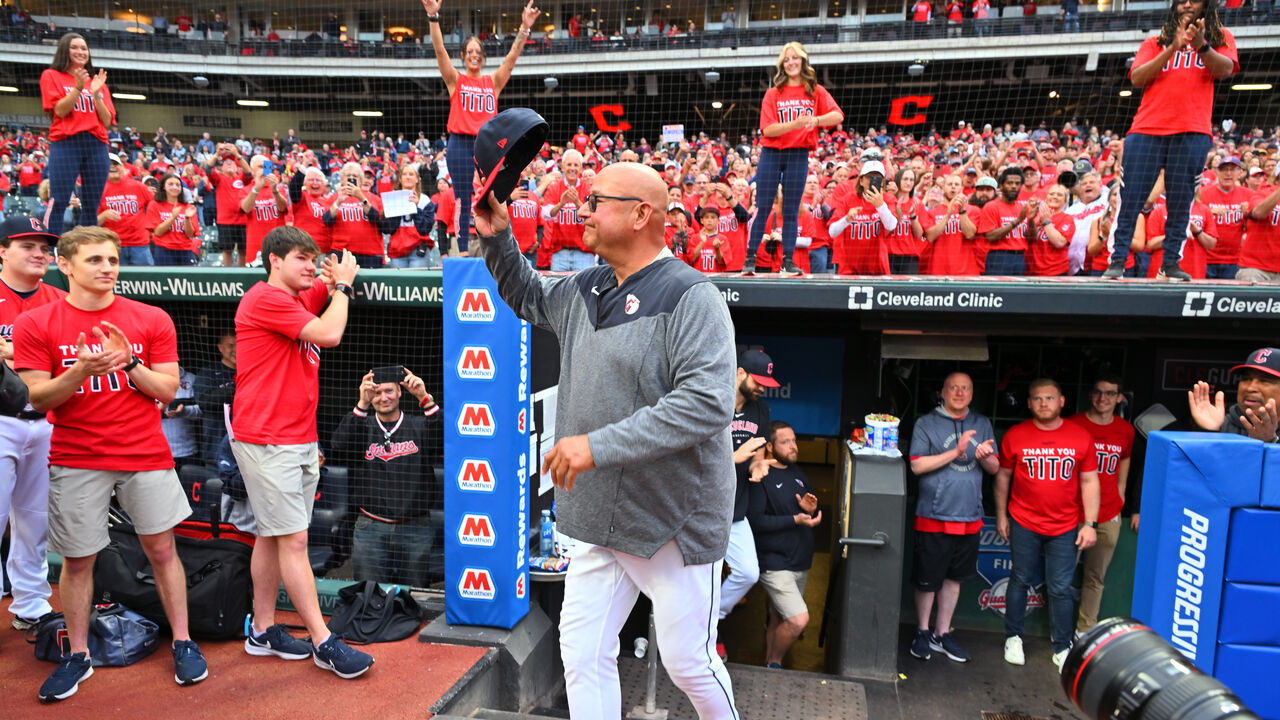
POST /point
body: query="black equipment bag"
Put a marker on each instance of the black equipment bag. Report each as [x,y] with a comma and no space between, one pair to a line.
[118,636]
[365,613]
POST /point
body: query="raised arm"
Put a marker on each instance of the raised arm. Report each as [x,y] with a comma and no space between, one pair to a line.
[527,18]
[447,72]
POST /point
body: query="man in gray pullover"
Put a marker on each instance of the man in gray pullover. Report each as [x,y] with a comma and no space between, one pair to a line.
[644,467]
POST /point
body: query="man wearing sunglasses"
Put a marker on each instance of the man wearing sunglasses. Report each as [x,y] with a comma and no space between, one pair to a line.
[644,466]
[1112,444]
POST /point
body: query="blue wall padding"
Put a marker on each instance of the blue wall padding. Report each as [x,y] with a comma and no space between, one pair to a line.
[1249,615]
[1251,554]
[1271,476]
[1253,673]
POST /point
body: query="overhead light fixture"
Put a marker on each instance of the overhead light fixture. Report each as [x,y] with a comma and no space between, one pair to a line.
[1251,86]
[1126,93]
[1053,94]
[8,88]
[367,113]
[128,96]
[550,82]
[716,105]
[252,103]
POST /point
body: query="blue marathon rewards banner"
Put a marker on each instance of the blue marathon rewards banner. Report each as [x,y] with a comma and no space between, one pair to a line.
[486,451]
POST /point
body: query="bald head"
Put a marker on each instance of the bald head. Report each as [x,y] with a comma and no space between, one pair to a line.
[622,230]
[636,180]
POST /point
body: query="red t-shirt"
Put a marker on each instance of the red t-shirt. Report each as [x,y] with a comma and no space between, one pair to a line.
[228,192]
[14,304]
[176,238]
[1180,99]
[1261,248]
[308,215]
[921,12]
[277,375]
[54,86]
[821,238]
[352,231]
[786,104]
[1111,444]
[900,240]
[1194,257]
[861,248]
[735,233]
[955,12]
[473,102]
[28,174]
[1043,258]
[1046,464]
[1229,220]
[526,216]
[997,213]
[130,198]
[950,253]
[446,210]
[704,260]
[263,218]
[581,141]
[565,227]
[108,424]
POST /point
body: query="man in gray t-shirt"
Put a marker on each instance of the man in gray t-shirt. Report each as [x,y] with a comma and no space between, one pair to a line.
[950,449]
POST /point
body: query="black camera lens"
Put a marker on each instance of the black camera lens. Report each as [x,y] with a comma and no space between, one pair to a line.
[1121,669]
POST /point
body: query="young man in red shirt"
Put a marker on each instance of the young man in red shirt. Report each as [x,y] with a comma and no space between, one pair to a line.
[98,364]
[1001,222]
[26,248]
[273,426]
[1260,253]
[123,211]
[1048,478]
[1112,444]
[1228,201]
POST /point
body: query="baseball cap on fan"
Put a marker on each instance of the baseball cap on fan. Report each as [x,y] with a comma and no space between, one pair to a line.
[505,145]
[759,366]
[17,226]
[1265,360]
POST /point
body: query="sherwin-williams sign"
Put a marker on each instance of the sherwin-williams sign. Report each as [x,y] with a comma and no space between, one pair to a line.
[486,451]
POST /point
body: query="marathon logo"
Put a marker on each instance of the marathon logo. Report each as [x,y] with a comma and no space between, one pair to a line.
[1206,303]
[476,531]
[476,363]
[475,476]
[1189,588]
[476,305]
[866,297]
[475,420]
[476,584]
[520,585]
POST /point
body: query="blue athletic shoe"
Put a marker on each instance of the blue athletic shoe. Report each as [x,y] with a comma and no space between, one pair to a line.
[66,678]
[275,641]
[345,661]
[189,666]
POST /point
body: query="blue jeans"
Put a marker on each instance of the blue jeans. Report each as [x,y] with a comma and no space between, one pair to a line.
[1006,262]
[1181,157]
[461,159]
[136,255]
[412,260]
[1220,271]
[1026,547]
[569,260]
[369,262]
[787,168]
[391,552]
[80,156]
[166,256]
[819,260]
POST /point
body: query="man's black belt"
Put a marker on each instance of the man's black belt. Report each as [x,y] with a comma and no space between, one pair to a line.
[30,415]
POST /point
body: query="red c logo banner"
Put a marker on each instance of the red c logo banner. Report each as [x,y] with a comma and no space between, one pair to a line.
[598,114]
[909,102]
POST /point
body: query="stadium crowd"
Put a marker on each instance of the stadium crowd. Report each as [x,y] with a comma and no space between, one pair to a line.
[928,179]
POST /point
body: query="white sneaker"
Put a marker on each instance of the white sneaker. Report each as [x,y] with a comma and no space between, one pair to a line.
[1058,657]
[1013,651]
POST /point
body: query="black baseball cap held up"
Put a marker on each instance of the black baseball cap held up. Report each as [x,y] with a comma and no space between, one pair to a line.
[1265,360]
[504,146]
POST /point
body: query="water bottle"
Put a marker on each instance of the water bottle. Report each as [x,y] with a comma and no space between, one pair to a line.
[546,538]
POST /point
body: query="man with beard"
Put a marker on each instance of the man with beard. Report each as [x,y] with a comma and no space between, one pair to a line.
[783,511]
[1001,222]
[749,427]
[1048,480]
[1257,394]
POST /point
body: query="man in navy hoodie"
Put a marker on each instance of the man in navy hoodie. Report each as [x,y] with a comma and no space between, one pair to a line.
[950,449]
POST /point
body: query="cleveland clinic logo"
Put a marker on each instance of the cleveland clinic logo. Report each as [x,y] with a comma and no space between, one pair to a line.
[1197,303]
[861,297]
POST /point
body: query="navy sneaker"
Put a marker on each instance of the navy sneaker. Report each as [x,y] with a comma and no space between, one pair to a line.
[65,680]
[920,645]
[773,666]
[947,645]
[344,660]
[189,666]
[275,641]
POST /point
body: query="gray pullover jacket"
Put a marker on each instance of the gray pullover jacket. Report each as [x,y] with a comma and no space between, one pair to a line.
[647,372]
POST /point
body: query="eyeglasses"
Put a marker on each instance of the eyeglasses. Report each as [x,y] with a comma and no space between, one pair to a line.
[594,199]
[1105,393]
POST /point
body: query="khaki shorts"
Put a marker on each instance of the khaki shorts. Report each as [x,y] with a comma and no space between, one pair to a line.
[1257,276]
[281,481]
[786,591]
[79,498]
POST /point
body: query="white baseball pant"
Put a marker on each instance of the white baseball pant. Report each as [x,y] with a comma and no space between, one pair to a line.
[24,498]
[744,567]
[600,590]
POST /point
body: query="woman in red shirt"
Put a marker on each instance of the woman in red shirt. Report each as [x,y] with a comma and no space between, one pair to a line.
[79,106]
[173,225]
[1172,129]
[790,115]
[473,99]
[906,241]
